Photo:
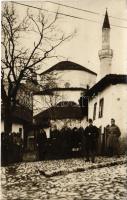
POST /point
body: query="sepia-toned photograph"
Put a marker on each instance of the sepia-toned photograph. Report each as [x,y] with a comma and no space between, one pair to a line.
[63,100]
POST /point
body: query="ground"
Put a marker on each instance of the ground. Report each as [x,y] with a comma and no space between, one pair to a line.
[71,179]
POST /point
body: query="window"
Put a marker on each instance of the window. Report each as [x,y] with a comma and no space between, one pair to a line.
[67,85]
[20,130]
[101,106]
[94,111]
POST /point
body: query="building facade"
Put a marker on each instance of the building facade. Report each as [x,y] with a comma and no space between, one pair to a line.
[63,86]
[107,98]
[103,96]
[22,117]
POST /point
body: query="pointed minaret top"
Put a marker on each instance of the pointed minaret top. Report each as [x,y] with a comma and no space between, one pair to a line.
[106,23]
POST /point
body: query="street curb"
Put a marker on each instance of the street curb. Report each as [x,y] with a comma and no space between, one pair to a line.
[81,169]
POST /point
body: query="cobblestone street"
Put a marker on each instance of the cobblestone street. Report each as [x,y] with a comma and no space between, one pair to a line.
[37,180]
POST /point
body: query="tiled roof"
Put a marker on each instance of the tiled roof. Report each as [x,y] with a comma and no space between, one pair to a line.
[21,114]
[60,112]
[110,79]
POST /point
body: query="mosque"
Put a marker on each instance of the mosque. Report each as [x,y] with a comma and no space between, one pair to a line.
[103,94]
[60,101]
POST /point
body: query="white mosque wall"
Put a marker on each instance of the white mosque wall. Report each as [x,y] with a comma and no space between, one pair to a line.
[64,79]
[40,103]
[43,102]
[75,78]
[69,95]
[115,106]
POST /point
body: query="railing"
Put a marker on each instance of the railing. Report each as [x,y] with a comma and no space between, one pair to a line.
[105,52]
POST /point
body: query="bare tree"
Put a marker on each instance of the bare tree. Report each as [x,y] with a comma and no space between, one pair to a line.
[18,61]
[51,101]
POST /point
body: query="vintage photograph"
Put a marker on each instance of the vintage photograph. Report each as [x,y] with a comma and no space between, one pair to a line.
[64,100]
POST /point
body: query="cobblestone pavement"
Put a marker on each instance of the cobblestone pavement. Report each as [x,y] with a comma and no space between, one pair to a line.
[24,181]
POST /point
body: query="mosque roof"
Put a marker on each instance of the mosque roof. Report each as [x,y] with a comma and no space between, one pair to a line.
[68,65]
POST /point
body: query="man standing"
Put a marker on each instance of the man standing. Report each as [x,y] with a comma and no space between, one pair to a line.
[113,139]
[91,135]
[42,141]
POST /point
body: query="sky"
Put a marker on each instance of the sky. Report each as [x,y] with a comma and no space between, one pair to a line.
[84,46]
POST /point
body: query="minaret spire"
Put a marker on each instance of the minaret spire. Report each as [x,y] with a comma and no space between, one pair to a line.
[106,23]
[105,54]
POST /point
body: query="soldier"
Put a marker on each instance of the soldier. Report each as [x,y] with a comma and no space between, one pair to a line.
[91,135]
[55,142]
[75,141]
[64,141]
[82,141]
[113,139]
[4,149]
[69,141]
[42,141]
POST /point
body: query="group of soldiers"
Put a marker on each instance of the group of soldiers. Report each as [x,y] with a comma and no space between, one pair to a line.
[64,143]
[11,148]
[68,142]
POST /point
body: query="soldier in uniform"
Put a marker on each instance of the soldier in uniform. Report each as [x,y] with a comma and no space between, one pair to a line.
[113,139]
[91,136]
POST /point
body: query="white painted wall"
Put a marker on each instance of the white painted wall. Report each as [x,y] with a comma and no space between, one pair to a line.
[69,123]
[78,79]
[43,102]
[2,126]
[70,95]
[47,130]
[115,106]
[75,78]
[15,127]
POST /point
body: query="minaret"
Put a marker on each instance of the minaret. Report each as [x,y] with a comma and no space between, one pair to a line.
[105,54]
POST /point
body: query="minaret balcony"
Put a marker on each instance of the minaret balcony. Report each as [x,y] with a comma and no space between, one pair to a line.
[105,53]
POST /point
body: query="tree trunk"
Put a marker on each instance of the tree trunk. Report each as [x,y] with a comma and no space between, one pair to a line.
[7,118]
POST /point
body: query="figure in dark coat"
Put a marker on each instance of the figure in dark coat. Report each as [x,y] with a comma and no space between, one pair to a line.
[75,142]
[4,149]
[91,136]
[82,140]
[41,141]
[113,139]
[76,137]
[69,141]
[54,133]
